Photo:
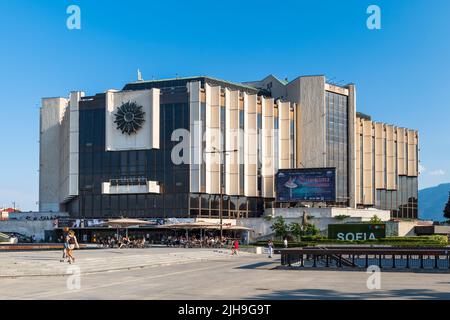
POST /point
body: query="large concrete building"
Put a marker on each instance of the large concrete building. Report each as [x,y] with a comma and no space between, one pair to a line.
[163,148]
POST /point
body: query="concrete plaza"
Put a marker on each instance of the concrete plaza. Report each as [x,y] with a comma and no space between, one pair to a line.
[176,273]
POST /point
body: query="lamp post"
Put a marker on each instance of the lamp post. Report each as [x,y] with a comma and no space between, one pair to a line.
[224,152]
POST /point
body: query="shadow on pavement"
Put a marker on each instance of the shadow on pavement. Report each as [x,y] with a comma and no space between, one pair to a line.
[259,265]
[324,294]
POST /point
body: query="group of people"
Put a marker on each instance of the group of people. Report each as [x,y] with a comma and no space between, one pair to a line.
[70,243]
[194,242]
[132,242]
[120,242]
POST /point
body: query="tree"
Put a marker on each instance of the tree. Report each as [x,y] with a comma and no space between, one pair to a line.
[311,230]
[280,227]
[375,220]
[296,229]
[447,208]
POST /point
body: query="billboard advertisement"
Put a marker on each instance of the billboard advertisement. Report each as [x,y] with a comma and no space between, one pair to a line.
[357,231]
[318,184]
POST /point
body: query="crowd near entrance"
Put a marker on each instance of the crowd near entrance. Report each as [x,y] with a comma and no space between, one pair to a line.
[145,237]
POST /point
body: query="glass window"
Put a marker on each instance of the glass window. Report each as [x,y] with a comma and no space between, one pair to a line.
[195,203]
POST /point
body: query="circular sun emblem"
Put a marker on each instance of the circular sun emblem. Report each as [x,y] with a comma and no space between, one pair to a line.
[129,117]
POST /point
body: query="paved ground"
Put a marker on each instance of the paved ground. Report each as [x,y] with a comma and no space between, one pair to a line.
[163,273]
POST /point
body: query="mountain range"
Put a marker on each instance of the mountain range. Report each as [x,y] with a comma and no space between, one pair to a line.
[432,202]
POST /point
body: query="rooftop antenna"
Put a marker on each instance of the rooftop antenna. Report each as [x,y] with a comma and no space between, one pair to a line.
[139,75]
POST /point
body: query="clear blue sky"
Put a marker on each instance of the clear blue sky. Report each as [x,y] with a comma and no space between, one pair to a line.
[402,72]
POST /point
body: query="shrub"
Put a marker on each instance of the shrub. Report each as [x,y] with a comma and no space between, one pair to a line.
[422,241]
[341,217]
[375,220]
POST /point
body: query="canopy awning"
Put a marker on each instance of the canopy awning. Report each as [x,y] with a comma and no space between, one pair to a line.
[127,223]
[190,225]
[203,225]
[237,228]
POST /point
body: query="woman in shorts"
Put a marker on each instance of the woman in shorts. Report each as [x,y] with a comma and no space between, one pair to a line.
[72,244]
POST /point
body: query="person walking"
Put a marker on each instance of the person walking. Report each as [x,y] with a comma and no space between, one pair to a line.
[65,244]
[235,248]
[285,242]
[270,246]
[72,244]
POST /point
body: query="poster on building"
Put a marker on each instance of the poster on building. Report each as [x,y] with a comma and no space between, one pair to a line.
[312,185]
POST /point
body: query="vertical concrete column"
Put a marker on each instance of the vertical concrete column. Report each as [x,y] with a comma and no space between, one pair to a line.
[267,156]
[367,163]
[379,156]
[298,136]
[212,137]
[412,154]
[241,153]
[401,147]
[359,163]
[74,133]
[390,158]
[195,127]
[250,146]
[155,118]
[232,142]
[284,135]
[292,132]
[416,158]
[351,113]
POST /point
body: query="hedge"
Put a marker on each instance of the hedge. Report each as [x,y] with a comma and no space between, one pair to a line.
[421,241]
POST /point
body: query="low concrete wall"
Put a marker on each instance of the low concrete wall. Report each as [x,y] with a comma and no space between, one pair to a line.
[362,214]
[27,228]
[404,228]
[255,250]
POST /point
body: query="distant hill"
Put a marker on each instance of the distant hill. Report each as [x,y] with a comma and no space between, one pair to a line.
[432,202]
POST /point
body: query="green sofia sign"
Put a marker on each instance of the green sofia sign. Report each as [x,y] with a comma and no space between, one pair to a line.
[355,232]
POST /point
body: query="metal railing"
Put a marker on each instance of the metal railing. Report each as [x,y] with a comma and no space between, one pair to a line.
[363,257]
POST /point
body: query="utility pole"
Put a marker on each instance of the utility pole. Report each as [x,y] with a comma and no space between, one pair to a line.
[222,153]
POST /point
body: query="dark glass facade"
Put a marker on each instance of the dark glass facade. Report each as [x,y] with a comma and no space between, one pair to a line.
[336,108]
[96,166]
[208,206]
[403,202]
